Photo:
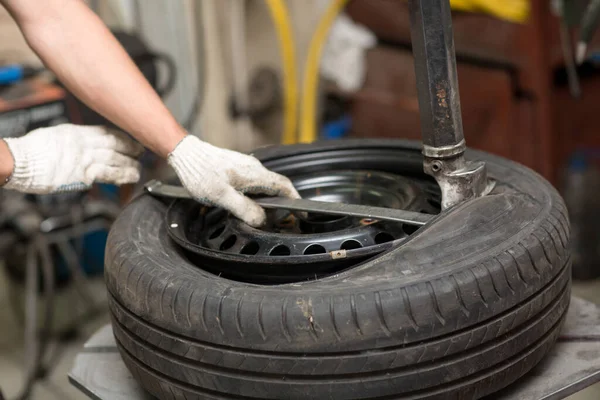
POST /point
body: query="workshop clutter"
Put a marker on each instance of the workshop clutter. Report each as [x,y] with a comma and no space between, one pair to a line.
[26,105]
[581,185]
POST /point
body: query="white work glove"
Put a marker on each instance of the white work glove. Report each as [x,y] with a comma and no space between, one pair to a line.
[219,177]
[67,158]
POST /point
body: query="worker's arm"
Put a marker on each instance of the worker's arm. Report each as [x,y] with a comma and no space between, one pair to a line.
[6,163]
[74,43]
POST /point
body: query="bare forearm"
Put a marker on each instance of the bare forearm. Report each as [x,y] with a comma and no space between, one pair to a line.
[6,162]
[73,42]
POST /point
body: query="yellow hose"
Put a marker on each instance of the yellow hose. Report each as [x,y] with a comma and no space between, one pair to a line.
[308,118]
[287,49]
[510,10]
[513,10]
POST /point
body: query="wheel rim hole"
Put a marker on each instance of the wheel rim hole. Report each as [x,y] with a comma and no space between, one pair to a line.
[409,229]
[217,232]
[315,249]
[383,237]
[228,243]
[350,245]
[280,250]
[250,249]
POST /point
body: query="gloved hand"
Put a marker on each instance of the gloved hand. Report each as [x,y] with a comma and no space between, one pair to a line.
[69,157]
[219,177]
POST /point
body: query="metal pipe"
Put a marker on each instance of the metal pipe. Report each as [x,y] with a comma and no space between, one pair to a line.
[439,105]
[437,79]
[31,343]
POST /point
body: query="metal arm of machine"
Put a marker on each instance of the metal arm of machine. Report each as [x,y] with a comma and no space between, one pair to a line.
[439,103]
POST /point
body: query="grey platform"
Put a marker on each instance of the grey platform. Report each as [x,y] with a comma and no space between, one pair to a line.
[572,365]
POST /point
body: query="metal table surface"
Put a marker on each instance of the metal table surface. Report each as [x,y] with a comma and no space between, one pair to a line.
[572,365]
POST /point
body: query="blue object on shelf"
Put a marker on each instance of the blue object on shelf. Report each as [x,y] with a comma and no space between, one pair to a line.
[578,162]
[337,129]
[109,191]
[14,73]
[10,74]
[94,244]
[594,57]
[91,260]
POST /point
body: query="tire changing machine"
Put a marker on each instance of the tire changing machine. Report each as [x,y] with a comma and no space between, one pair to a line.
[572,365]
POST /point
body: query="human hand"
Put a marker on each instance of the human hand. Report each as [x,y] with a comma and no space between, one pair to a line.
[220,177]
[67,157]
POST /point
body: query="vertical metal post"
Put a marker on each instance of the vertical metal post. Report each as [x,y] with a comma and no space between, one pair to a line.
[437,80]
[439,104]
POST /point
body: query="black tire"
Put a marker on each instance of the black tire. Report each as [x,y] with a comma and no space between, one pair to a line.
[462,309]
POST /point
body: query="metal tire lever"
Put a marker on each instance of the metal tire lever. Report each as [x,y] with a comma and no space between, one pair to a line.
[159,189]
